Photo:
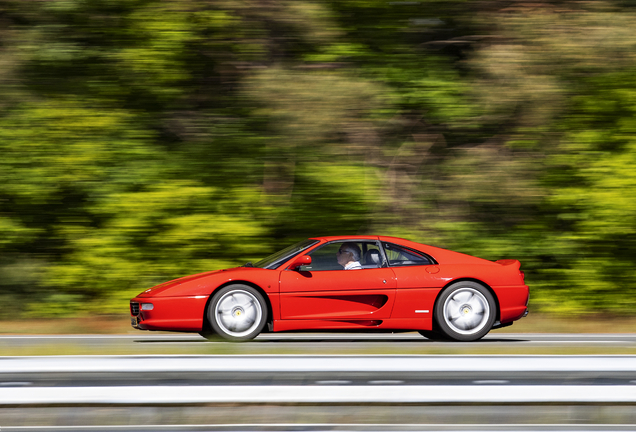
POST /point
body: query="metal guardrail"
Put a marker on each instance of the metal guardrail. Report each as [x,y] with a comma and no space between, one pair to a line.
[318,363]
[432,389]
[497,394]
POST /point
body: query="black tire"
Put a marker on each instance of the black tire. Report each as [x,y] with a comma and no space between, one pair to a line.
[236,313]
[465,311]
[209,335]
[432,335]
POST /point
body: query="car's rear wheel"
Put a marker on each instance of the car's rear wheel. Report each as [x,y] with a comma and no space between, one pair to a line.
[465,311]
[237,312]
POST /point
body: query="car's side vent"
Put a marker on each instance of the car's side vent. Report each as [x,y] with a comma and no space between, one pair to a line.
[134,308]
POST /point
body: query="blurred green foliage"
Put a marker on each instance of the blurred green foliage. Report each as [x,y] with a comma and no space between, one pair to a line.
[144,140]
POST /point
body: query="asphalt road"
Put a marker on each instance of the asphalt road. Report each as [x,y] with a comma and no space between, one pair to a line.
[361,340]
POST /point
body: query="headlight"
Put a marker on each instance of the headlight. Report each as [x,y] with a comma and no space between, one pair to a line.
[147,306]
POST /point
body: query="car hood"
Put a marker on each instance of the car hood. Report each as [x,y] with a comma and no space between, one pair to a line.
[197,284]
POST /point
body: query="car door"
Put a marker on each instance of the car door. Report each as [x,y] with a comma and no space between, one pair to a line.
[419,282]
[323,290]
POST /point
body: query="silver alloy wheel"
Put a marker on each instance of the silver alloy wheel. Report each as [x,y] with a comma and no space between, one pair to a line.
[238,313]
[466,311]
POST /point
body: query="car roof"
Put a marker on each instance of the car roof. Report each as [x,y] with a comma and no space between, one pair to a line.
[369,237]
[351,237]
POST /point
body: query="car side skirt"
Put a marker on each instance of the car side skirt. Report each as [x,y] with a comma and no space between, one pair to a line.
[424,323]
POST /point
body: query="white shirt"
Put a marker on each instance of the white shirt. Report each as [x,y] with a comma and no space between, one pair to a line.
[353,265]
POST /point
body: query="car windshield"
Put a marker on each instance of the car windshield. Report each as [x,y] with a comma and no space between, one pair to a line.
[276,259]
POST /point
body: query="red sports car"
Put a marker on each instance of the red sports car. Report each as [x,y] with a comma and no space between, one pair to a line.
[342,283]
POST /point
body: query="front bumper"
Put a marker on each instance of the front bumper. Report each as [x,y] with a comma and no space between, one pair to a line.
[169,313]
[135,321]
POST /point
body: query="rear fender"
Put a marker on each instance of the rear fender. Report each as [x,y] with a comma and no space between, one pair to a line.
[485,285]
[514,266]
[509,262]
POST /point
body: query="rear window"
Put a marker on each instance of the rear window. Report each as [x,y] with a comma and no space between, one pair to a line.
[401,256]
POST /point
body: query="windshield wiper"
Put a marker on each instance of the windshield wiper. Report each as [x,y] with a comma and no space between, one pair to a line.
[248,264]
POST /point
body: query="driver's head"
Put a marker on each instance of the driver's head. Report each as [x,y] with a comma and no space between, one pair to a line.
[352,249]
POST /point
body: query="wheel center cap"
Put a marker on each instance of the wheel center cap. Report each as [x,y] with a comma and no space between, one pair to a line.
[237,312]
[466,309]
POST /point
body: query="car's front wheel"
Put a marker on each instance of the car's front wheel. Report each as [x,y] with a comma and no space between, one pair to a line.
[432,335]
[465,311]
[237,312]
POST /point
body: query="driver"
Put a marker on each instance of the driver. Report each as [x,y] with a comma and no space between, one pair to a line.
[349,256]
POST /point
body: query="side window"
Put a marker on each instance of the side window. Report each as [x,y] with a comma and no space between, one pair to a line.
[367,254]
[399,256]
[371,256]
[324,258]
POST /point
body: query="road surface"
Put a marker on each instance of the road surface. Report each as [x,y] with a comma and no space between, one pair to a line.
[330,340]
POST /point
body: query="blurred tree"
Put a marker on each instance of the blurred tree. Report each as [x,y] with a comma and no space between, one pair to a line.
[557,80]
[143,140]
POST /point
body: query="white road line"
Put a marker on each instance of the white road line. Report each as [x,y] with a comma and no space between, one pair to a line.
[333,382]
[321,363]
[491,382]
[317,394]
[615,342]
[385,382]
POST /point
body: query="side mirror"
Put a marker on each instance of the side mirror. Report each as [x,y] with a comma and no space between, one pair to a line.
[300,261]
